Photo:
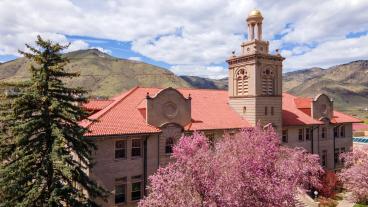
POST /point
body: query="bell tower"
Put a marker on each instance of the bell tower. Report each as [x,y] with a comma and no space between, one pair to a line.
[255,78]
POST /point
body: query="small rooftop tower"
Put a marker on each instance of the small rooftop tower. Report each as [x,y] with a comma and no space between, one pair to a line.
[255,78]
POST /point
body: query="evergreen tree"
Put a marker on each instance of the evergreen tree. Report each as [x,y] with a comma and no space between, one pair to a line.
[44,155]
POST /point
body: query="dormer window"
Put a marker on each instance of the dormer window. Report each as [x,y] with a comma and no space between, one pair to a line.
[324,109]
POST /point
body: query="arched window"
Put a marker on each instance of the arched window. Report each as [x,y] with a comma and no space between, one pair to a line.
[169,145]
[268,82]
[242,82]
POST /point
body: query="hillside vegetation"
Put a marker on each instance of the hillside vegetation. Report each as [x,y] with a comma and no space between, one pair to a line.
[347,84]
[104,75]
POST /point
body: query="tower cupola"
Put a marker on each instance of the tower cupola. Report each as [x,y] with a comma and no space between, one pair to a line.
[254,22]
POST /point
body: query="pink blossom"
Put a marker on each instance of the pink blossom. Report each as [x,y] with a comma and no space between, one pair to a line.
[354,176]
[247,169]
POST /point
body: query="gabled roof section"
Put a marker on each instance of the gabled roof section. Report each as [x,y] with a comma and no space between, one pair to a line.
[125,114]
[210,110]
[303,103]
[297,111]
[339,117]
[292,115]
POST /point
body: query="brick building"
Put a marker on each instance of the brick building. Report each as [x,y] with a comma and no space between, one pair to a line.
[136,130]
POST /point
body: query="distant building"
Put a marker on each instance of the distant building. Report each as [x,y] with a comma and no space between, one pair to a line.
[135,131]
[360,129]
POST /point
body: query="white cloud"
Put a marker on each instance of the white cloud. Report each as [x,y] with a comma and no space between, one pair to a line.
[205,48]
[135,58]
[331,53]
[102,50]
[188,32]
[215,72]
[11,43]
[77,45]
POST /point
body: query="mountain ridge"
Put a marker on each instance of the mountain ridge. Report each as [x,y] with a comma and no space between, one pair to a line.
[105,75]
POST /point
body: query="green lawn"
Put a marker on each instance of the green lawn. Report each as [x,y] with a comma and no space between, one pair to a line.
[360,205]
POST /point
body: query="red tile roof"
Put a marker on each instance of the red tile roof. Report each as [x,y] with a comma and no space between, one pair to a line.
[125,114]
[303,103]
[210,110]
[292,115]
[96,105]
[339,117]
[297,111]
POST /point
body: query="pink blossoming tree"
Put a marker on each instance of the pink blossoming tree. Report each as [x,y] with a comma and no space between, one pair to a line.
[354,176]
[249,168]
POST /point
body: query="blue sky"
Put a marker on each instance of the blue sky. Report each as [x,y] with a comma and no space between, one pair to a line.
[191,37]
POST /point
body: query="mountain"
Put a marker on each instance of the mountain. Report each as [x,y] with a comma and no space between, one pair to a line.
[102,74]
[199,82]
[347,84]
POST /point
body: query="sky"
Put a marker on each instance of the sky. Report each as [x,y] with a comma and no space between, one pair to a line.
[191,37]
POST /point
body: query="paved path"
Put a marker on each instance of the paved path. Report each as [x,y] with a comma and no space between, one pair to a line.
[299,203]
[303,200]
[346,202]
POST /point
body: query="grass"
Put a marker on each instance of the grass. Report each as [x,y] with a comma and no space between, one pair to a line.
[360,205]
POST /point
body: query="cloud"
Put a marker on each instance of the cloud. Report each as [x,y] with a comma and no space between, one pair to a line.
[135,58]
[103,50]
[215,72]
[12,43]
[205,48]
[77,45]
[331,53]
[188,32]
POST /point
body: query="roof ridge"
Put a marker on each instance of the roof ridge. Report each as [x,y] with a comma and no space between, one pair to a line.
[201,89]
[112,105]
[90,100]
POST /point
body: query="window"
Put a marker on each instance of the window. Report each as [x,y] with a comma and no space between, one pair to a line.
[336,155]
[266,111]
[324,158]
[120,192]
[336,132]
[285,135]
[342,131]
[267,86]
[301,135]
[136,191]
[308,133]
[323,109]
[244,109]
[342,149]
[169,145]
[136,147]
[211,138]
[242,82]
[324,132]
[120,149]
[188,133]
[268,82]
[272,110]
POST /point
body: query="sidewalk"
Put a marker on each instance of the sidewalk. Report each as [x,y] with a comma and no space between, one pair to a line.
[346,201]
